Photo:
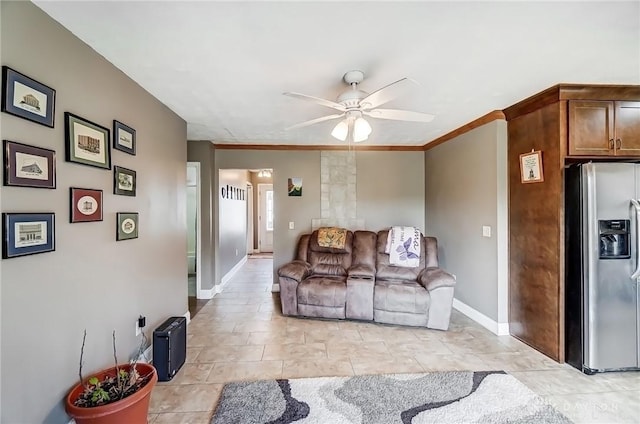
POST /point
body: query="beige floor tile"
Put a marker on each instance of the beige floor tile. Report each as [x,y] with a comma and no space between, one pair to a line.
[184,398]
[390,365]
[477,345]
[190,374]
[382,333]
[202,325]
[351,349]
[230,353]
[226,309]
[151,418]
[192,353]
[216,339]
[225,372]
[321,336]
[518,361]
[608,407]
[564,381]
[310,352]
[267,337]
[257,326]
[451,362]
[411,348]
[319,368]
[184,418]
[309,324]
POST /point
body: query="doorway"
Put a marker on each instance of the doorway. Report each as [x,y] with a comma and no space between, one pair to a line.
[265,218]
[250,248]
[194,262]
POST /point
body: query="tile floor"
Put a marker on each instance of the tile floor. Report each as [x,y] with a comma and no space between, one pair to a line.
[241,335]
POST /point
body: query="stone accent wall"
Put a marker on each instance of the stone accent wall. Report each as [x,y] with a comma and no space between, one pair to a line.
[338,191]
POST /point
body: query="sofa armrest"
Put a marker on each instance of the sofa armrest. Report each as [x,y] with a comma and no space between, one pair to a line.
[432,278]
[296,270]
[361,271]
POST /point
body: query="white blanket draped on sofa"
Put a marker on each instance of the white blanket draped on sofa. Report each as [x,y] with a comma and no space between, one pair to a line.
[403,246]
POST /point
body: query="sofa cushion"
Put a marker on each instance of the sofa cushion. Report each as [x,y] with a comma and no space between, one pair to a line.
[323,291]
[400,296]
[315,247]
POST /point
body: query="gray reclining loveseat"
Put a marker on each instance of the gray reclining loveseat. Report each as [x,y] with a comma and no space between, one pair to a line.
[358,282]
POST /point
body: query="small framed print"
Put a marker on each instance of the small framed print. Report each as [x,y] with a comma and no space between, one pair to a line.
[27,98]
[531,167]
[86,142]
[29,166]
[124,181]
[27,233]
[124,138]
[127,226]
[86,205]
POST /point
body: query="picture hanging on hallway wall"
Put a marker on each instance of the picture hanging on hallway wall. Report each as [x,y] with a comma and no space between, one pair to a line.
[86,205]
[124,138]
[27,234]
[127,225]
[27,98]
[87,142]
[29,166]
[295,186]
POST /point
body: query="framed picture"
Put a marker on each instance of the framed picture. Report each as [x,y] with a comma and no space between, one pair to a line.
[531,167]
[29,166]
[124,181]
[27,98]
[86,205]
[87,142]
[124,138]
[294,186]
[127,225]
[27,234]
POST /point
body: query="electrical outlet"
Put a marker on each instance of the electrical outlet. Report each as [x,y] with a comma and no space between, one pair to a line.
[291,225]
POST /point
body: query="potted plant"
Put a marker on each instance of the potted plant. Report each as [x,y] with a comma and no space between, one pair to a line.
[119,394]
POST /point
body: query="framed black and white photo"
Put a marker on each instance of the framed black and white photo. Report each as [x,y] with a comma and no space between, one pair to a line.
[29,166]
[27,98]
[27,233]
[124,181]
[86,142]
[124,138]
[86,205]
[127,225]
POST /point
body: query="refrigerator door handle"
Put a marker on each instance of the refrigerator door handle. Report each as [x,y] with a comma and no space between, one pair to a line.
[636,207]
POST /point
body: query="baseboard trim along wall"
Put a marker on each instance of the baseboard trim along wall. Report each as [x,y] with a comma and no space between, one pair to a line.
[206,293]
[275,288]
[229,275]
[500,329]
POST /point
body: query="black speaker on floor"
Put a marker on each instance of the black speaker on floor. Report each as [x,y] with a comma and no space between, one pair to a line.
[170,347]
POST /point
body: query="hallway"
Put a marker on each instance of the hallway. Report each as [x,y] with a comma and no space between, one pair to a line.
[241,335]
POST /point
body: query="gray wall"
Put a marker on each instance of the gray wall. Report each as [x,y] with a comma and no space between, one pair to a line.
[203,152]
[90,281]
[466,189]
[400,197]
[390,189]
[233,220]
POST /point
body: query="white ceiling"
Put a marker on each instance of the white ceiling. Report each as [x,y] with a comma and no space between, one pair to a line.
[223,66]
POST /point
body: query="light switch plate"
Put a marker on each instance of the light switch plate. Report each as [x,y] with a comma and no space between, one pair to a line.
[291,225]
[486,231]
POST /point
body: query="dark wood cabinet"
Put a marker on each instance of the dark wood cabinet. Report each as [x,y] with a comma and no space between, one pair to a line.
[567,123]
[604,128]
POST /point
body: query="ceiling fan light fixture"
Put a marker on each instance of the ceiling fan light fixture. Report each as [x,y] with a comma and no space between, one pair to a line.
[361,130]
[341,130]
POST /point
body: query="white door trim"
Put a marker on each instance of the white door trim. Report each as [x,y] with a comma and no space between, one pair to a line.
[262,186]
[249,218]
[200,294]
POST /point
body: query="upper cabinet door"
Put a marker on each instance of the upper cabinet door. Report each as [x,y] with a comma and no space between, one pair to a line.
[627,129]
[591,128]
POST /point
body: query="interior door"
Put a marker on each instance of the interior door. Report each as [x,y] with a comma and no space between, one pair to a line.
[249,218]
[265,217]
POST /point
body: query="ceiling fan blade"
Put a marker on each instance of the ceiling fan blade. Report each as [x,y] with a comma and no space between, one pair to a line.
[315,121]
[387,93]
[400,115]
[318,100]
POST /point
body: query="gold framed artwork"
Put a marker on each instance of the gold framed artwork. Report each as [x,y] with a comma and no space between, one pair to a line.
[531,167]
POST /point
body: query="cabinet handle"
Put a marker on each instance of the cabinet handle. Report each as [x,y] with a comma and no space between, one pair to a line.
[611,144]
[619,143]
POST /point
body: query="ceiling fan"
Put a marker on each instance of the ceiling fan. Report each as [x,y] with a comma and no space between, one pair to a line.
[354,103]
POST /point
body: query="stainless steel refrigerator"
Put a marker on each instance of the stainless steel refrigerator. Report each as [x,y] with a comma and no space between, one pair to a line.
[602,298]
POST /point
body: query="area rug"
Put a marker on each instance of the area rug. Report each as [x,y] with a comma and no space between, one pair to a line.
[438,397]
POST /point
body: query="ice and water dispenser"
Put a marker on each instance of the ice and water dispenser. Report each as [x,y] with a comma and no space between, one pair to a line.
[614,239]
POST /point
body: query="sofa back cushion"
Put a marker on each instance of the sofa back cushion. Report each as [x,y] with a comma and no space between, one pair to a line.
[364,249]
[386,271]
[329,260]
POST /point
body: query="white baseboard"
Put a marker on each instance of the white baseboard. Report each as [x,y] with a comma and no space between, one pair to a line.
[275,288]
[229,275]
[187,315]
[500,329]
[206,293]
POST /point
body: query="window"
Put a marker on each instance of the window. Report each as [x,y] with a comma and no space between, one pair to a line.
[269,210]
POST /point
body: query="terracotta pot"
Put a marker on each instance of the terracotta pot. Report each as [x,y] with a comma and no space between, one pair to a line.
[131,410]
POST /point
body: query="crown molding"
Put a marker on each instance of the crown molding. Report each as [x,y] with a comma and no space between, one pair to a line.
[485,119]
[358,147]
